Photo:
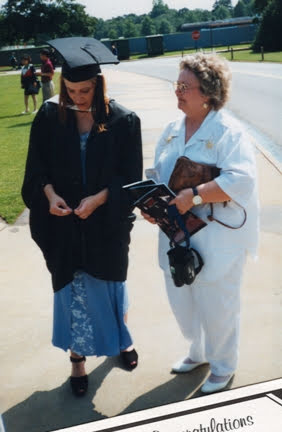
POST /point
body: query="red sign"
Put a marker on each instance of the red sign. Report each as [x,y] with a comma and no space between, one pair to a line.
[196,35]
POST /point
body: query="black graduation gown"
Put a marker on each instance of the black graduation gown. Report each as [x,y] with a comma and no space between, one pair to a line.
[98,245]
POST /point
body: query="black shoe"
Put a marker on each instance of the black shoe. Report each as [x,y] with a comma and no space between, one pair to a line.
[79,385]
[129,359]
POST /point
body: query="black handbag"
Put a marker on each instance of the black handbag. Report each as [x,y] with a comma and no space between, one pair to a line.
[34,89]
[184,262]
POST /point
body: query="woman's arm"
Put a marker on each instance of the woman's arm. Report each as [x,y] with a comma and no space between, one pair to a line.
[48,74]
[89,204]
[209,192]
[57,205]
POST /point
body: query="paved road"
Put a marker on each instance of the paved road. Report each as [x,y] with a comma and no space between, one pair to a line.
[256,94]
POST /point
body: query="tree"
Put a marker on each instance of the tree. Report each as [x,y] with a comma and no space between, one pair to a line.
[240,10]
[100,30]
[30,19]
[147,26]
[165,27]
[3,30]
[260,5]
[119,26]
[129,29]
[221,13]
[112,34]
[225,3]
[159,8]
[250,6]
[269,34]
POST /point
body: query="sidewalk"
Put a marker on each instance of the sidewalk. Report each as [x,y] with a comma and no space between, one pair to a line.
[35,394]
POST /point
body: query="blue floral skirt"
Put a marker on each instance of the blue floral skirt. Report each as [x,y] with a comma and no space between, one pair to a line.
[89,316]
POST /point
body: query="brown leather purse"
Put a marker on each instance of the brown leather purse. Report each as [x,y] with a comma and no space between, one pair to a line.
[187,173]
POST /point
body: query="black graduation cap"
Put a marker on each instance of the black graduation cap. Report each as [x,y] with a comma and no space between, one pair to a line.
[82,57]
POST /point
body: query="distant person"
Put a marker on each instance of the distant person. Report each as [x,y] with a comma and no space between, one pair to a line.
[13,61]
[83,149]
[29,83]
[47,72]
[208,310]
[114,50]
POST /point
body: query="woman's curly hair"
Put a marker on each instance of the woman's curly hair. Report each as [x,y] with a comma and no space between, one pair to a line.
[214,75]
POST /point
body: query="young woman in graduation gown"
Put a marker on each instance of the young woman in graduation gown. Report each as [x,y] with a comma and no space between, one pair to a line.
[82,150]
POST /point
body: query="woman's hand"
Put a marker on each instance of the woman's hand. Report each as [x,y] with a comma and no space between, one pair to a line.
[89,204]
[57,205]
[86,207]
[148,218]
[183,200]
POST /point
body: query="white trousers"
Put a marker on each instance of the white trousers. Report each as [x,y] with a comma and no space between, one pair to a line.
[208,311]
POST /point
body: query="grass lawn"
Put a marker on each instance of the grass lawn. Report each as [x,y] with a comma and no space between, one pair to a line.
[249,56]
[14,136]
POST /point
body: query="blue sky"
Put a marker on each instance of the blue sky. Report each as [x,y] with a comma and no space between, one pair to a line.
[109,8]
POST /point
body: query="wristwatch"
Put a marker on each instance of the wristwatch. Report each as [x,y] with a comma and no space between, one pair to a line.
[197,199]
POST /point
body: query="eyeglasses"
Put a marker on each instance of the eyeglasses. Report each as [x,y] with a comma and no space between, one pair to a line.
[182,88]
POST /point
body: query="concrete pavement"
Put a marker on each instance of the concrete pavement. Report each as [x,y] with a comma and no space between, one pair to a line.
[35,393]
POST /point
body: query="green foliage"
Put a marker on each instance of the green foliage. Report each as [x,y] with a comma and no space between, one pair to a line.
[26,20]
[3,31]
[222,3]
[244,8]
[129,29]
[260,5]
[147,26]
[250,6]
[222,12]
[159,8]
[240,9]
[164,27]
[269,34]
[112,34]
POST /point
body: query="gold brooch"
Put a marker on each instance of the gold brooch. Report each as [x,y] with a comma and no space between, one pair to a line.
[209,145]
[169,138]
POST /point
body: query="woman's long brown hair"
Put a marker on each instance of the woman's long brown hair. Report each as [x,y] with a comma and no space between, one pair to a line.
[100,103]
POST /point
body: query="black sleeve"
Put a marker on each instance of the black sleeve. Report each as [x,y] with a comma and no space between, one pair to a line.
[36,171]
[130,166]
[131,162]
[33,70]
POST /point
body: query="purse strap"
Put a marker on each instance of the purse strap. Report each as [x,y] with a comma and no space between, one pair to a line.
[174,215]
[211,218]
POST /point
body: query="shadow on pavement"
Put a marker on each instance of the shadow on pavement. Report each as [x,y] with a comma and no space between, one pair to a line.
[56,409]
[180,387]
